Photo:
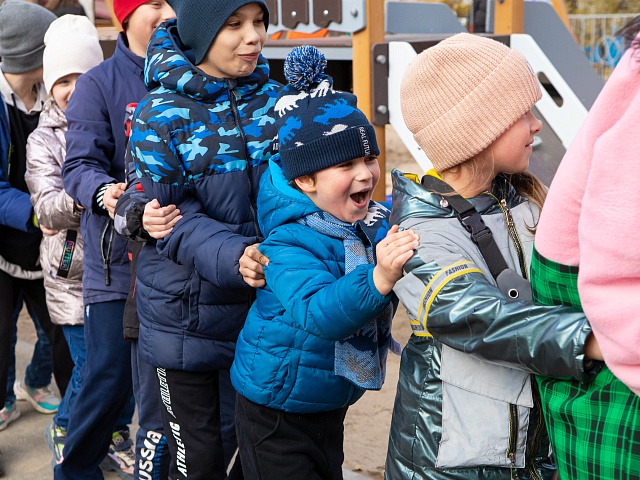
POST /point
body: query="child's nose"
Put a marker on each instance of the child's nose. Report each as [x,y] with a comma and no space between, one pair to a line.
[252,35]
[167,12]
[364,172]
[536,124]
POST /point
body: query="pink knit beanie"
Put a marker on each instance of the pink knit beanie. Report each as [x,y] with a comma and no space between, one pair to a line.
[462,94]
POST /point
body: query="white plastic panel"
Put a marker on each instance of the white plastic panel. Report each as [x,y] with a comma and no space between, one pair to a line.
[565,120]
[400,55]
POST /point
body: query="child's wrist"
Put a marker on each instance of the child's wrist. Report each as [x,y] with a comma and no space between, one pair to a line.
[382,284]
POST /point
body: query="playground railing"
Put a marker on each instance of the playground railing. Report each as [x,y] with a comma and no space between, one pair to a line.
[596,36]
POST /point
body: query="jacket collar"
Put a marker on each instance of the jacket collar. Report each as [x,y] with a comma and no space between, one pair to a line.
[134,62]
[411,199]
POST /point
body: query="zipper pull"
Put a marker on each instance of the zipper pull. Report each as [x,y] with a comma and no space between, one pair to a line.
[507,212]
[107,277]
[513,469]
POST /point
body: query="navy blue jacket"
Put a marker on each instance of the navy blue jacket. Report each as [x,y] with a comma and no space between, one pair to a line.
[96,144]
[16,210]
[201,143]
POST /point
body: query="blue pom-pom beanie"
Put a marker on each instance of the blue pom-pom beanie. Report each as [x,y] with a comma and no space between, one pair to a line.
[199,21]
[318,127]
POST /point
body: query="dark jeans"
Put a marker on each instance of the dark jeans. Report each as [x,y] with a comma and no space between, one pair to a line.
[74,334]
[32,292]
[106,391]
[191,419]
[38,372]
[277,445]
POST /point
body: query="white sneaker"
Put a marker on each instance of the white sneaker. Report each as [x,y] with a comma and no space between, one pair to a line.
[42,399]
[8,415]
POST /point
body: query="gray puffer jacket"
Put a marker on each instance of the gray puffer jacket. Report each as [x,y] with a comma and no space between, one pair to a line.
[60,254]
[466,406]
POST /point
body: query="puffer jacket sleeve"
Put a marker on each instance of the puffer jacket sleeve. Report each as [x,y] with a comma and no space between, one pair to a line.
[328,307]
[197,240]
[130,209]
[462,309]
[53,207]
[15,206]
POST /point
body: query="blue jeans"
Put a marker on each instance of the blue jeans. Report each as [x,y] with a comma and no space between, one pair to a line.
[74,335]
[38,373]
[106,391]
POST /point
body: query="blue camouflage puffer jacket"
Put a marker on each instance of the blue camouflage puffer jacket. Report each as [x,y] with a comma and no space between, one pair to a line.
[201,143]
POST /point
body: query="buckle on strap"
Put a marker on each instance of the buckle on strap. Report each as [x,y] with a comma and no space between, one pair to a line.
[474,224]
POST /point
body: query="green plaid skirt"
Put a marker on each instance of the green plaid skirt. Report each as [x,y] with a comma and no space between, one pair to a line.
[594,427]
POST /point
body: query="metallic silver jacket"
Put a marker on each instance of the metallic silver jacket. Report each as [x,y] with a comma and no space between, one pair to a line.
[466,406]
[46,149]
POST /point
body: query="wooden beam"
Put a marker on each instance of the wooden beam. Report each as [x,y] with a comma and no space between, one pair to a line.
[363,42]
[508,17]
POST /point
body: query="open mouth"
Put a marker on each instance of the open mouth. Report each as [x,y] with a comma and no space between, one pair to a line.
[360,198]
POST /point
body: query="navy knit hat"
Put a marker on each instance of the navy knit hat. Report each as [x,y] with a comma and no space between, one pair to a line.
[199,21]
[318,127]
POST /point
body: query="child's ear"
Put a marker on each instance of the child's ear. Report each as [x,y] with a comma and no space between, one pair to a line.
[306,183]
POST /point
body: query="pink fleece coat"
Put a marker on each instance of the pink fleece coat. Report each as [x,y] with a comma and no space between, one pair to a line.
[592,218]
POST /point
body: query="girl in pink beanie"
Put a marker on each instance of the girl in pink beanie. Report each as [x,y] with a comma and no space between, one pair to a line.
[587,255]
[467,406]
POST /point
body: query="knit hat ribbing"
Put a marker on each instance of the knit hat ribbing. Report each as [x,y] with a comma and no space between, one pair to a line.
[462,94]
[22,29]
[72,45]
[318,127]
[124,8]
[199,21]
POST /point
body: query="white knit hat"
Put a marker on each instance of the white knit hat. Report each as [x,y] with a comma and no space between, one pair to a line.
[71,46]
[462,94]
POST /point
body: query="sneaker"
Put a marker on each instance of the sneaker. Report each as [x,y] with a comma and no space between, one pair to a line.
[55,437]
[8,415]
[122,456]
[42,399]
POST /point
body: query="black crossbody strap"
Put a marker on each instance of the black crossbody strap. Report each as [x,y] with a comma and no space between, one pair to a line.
[472,222]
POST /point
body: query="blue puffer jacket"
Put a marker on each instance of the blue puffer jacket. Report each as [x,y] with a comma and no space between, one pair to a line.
[286,352]
[201,143]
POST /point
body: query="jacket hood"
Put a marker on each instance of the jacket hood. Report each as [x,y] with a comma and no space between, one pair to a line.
[279,202]
[411,199]
[169,65]
[52,116]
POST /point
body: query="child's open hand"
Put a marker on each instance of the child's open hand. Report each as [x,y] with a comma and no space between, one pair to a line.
[393,252]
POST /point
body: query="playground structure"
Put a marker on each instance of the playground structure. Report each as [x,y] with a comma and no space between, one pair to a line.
[378,39]
[389,38]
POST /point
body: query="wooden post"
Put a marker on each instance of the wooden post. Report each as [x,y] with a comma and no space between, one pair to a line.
[114,20]
[363,42]
[561,9]
[508,17]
